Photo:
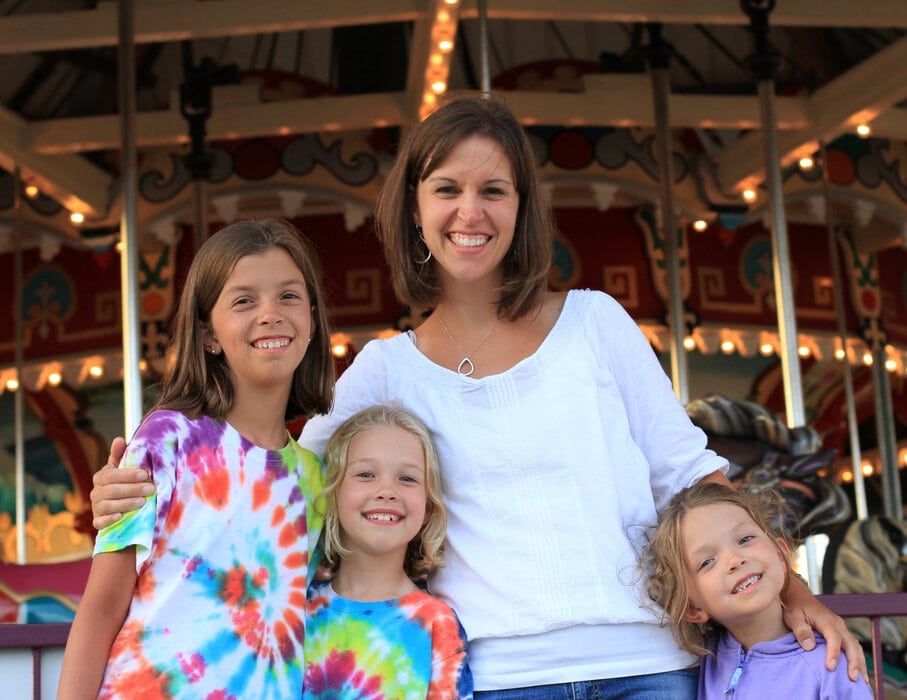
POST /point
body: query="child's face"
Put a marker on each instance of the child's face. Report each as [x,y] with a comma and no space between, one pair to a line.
[382,498]
[735,571]
[262,320]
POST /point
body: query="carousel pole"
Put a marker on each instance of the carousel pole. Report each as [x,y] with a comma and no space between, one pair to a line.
[195,106]
[885,430]
[859,486]
[483,49]
[129,257]
[658,56]
[19,400]
[763,63]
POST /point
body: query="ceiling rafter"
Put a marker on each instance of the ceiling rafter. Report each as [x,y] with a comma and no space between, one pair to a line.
[70,179]
[178,20]
[858,96]
[608,100]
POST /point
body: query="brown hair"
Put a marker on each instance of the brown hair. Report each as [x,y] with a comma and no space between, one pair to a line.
[198,383]
[665,565]
[425,552]
[526,265]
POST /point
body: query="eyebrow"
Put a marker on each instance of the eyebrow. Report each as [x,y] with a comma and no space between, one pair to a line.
[436,178]
[248,287]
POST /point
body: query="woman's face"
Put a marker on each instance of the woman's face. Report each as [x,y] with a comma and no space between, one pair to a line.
[467,208]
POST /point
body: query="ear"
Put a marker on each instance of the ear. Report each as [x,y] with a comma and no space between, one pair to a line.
[695,615]
[785,550]
[209,341]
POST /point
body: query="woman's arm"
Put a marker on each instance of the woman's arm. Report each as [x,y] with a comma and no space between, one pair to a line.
[803,613]
[117,491]
[99,617]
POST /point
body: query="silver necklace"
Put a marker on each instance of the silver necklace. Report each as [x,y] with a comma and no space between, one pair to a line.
[466,366]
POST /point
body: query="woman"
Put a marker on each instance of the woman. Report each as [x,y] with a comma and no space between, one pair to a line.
[557,430]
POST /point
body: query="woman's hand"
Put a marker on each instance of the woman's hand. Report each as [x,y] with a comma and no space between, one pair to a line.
[117,491]
[803,613]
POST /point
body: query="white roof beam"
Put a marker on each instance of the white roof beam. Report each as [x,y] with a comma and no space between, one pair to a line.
[858,96]
[70,179]
[609,100]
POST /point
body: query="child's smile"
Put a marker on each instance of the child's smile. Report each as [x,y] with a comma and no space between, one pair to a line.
[382,498]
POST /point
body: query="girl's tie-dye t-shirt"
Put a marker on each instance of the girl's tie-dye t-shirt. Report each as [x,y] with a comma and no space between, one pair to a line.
[411,648]
[223,556]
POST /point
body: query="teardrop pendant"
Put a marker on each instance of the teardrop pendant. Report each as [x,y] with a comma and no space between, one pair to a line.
[467,364]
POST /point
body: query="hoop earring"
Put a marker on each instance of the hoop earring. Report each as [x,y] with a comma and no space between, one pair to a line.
[427,257]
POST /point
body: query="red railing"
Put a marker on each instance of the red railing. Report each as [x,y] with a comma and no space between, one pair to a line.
[874,606]
[37,638]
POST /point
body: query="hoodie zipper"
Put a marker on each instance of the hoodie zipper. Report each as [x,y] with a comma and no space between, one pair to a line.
[735,677]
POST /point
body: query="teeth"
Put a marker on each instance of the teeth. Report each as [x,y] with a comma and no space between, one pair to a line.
[746,584]
[383,517]
[272,344]
[461,239]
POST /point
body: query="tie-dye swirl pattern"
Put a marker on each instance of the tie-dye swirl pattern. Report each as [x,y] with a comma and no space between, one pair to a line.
[412,648]
[223,554]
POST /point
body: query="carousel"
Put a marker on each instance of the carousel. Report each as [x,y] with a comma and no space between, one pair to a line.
[734,174]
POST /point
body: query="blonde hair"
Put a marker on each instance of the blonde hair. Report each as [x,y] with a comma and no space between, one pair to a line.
[425,552]
[198,383]
[664,562]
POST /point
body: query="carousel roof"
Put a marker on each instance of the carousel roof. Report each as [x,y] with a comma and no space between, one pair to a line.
[383,63]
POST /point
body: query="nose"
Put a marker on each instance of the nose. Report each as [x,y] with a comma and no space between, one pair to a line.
[269,312]
[735,561]
[387,490]
[470,211]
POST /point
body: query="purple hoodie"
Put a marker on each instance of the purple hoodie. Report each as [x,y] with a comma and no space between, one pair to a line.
[777,669]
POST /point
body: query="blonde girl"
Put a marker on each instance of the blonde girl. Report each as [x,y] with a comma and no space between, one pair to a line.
[718,567]
[373,630]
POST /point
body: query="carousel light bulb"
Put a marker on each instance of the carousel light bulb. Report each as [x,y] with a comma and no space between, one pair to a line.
[766,349]
[847,476]
[863,130]
[12,384]
[803,351]
[867,469]
[77,217]
[32,191]
[749,195]
[700,225]
[867,358]
[807,163]
[96,371]
[445,45]
[339,350]
[727,346]
[451,2]
[689,343]
[143,365]
[54,378]
[438,87]
[840,354]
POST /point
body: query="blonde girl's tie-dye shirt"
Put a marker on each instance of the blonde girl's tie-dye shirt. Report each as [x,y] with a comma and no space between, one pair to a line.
[411,648]
[223,556]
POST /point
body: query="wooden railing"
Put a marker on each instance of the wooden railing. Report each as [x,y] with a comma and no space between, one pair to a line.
[37,638]
[874,606]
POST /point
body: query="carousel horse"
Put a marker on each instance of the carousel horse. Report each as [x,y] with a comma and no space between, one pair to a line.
[765,454]
[869,556]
